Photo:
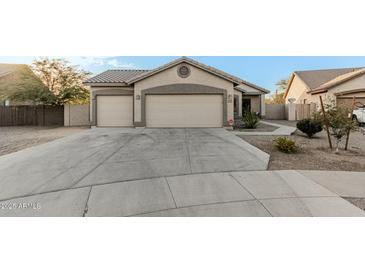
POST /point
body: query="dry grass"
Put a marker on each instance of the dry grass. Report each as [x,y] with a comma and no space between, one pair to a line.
[13,139]
[313,154]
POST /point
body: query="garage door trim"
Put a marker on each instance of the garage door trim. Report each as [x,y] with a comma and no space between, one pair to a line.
[109,95]
[107,92]
[181,89]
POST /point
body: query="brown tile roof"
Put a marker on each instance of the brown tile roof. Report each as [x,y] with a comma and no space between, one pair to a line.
[115,76]
[316,78]
[131,76]
[340,79]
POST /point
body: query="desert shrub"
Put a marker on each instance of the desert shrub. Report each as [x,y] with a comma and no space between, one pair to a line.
[310,126]
[286,145]
[250,119]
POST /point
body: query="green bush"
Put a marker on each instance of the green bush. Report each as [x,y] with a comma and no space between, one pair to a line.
[250,119]
[310,126]
[286,145]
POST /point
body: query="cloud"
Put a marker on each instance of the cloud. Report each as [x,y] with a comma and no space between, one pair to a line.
[107,61]
[118,64]
[90,61]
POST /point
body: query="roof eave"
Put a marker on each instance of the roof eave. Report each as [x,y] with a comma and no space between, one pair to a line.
[318,91]
[240,89]
[260,90]
[289,84]
[105,84]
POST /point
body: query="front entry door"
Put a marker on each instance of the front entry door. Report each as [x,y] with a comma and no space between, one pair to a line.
[246,105]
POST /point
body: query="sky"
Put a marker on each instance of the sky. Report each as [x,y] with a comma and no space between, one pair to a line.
[264,71]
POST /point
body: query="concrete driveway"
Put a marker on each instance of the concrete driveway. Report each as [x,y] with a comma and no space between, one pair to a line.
[157,172]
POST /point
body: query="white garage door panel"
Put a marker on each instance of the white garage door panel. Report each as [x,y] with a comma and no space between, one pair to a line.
[184,110]
[114,111]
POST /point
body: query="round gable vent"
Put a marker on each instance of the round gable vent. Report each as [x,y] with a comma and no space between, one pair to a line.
[183,71]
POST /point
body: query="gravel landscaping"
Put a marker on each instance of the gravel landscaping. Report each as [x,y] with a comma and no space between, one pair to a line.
[359,202]
[13,139]
[260,128]
[314,154]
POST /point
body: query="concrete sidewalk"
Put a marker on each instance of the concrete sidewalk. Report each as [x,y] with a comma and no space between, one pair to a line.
[246,193]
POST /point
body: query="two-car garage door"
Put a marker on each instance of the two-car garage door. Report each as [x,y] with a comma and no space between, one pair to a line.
[196,110]
[184,110]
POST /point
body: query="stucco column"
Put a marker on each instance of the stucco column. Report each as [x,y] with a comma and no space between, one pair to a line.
[263,106]
[93,112]
[137,106]
[230,106]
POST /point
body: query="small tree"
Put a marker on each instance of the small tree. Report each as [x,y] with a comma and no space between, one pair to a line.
[62,80]
[340,123]
[282,84]
[277,98]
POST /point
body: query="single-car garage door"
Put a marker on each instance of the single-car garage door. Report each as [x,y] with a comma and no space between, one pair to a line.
[184,110]
[348,102]
[114,111]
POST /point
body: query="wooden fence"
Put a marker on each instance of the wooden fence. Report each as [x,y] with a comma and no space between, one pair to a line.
[292,112]
[304,111]
[275,111]
[31,116]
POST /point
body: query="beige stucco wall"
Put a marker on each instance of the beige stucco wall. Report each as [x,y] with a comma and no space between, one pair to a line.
[239,95]
[263,105]
[170,76]
[76,115]
[298,90]
[249,88]
[353,84]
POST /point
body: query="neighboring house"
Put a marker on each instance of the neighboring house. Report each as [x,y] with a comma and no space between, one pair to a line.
[14,77]
[340,85]
[182,93]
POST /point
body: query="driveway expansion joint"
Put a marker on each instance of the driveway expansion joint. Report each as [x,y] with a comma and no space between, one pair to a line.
[230,174]
[172,195]
[102,162]
[192,206]
[86,209]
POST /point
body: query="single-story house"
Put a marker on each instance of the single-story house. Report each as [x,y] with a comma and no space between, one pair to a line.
[339,85]
[182,93]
